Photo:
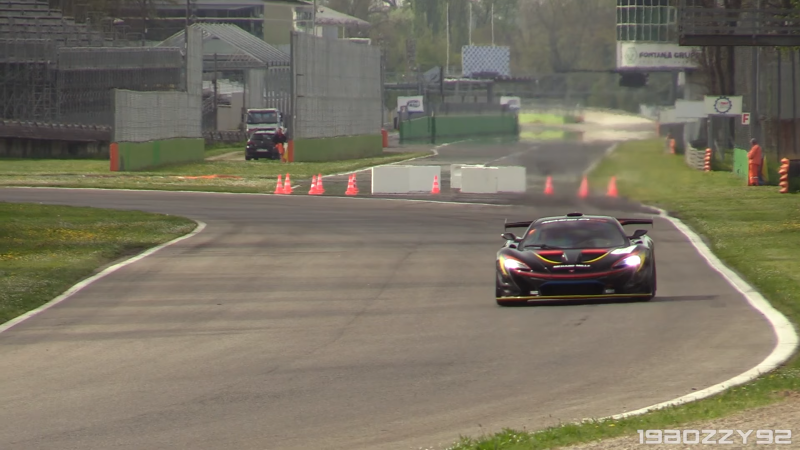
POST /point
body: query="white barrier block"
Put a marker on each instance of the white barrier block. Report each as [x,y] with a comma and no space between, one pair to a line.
[455,174]
[391,179]
[511,179]
[421,178]
[479,180]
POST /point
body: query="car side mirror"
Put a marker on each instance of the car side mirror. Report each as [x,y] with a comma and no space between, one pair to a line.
[638,233]
[510,237]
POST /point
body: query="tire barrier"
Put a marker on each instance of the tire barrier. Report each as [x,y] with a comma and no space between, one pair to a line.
[707,161]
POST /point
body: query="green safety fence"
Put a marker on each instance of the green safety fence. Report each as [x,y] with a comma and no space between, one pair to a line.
[435,128]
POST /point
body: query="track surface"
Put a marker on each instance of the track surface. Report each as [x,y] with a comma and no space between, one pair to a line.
[302,322]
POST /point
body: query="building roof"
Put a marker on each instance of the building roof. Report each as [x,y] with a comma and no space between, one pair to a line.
[328,16]
[224,4]
[243,50]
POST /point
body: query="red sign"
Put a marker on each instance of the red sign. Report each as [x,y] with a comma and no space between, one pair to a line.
[745,118]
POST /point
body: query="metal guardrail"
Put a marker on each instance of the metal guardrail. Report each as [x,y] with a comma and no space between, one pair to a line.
[699,25]
[695,158]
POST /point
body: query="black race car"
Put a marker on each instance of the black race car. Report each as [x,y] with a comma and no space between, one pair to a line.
[576,257]
[260,145]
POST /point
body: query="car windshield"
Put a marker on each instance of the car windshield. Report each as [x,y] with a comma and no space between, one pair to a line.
[575,233]
[255,117]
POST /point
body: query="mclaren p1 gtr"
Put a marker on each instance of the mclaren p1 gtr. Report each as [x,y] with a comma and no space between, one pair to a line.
[575,257]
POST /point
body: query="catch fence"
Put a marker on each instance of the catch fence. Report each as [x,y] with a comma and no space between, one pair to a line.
[337,88]
[42,82]
[147,115]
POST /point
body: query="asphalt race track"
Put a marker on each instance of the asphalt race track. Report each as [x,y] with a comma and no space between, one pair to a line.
[333,323]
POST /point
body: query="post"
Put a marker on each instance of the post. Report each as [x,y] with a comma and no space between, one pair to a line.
[314,19]
[441,82]
[292,125]
[447,26]
[470,23]
[383,90]
[492,24]
[186,47]
[216,120]
[794,102]
[780,116]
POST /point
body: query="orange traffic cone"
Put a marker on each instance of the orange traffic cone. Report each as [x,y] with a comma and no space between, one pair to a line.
[435,189]
[287,186]
[583,192]
[548,186]
[313,190]
[612,187]
[279,186]
[351,186]
[320,187]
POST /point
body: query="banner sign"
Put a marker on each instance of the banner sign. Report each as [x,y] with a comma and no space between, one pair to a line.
[637,55]
[723,105]
[412,104]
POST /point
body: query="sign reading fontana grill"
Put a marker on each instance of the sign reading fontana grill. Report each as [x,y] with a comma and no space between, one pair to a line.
[635,55]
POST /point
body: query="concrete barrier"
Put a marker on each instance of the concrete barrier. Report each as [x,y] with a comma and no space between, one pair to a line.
[421,178]
[491,180]
[396,179]
[391,179]
[512,179]
[455,174]
[479,180]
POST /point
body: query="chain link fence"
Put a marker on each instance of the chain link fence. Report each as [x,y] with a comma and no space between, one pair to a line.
[141,116]
[775,110]
[43,82]
[338,88]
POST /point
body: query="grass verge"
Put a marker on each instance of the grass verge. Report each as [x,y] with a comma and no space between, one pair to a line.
[753,230]
[541,118]
[212,176]
[44,250]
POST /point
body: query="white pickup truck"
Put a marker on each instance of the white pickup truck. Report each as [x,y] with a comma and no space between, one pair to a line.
[263,119]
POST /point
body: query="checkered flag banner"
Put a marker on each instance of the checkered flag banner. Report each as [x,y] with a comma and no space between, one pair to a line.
[485,59]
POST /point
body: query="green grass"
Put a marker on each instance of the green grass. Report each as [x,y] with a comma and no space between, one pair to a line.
[44,250]
[541,118]
[238,176]
[754,230]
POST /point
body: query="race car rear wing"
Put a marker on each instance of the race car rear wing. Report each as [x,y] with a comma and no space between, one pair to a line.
[624,222]
[524,224]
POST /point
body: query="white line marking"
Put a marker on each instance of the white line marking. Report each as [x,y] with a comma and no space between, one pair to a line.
[785,333]
[596,162]
[784,330]
[108,271]
[434,152]
[509,156]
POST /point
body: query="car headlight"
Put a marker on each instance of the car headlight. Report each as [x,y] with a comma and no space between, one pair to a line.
[631,261]
[513,264]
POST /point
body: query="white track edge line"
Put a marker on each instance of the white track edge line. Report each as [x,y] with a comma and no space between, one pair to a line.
[785,332]
[434,152]
[107,271]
